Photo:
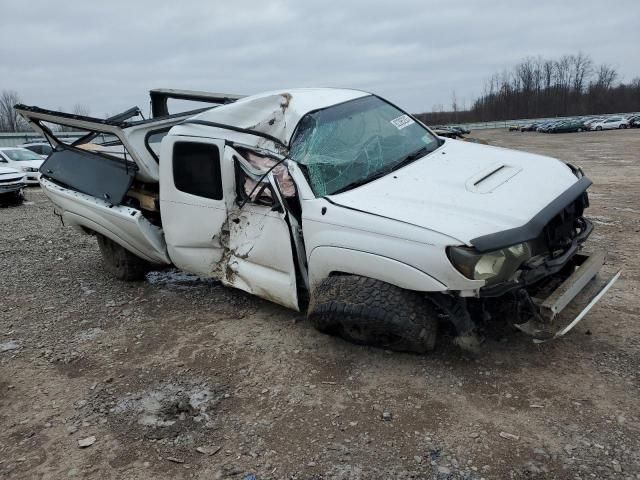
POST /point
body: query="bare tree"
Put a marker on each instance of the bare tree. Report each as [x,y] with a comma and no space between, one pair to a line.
[81,109]
[10,121]
[547,73]
[582,69]
[454,104]
[78,109]
[606,76]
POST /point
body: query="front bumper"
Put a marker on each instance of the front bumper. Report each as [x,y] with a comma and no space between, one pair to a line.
[11,187]
[569,302]
[32,178]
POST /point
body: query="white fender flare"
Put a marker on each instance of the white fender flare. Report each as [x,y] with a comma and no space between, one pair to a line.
[324,261]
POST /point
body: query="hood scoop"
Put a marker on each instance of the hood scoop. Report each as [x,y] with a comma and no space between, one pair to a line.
[491,178]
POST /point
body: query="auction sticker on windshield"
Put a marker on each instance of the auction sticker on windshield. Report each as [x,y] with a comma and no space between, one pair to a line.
[402,122]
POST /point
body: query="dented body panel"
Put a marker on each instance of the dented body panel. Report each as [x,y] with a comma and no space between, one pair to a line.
[246,248]
[259,258]
[123,225]
[195,227]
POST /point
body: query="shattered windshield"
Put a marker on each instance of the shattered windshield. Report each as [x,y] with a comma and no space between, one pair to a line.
[347,145]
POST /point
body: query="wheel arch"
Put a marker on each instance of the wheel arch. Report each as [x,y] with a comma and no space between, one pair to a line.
[326,261]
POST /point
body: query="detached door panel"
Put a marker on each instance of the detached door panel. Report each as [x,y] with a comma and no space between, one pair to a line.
[194,213]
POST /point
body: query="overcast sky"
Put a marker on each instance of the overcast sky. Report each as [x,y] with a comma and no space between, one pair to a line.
[415,53]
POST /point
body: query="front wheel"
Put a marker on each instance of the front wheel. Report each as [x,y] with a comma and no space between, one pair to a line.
[120,262]
[366,311]
[598,128]
[12,198]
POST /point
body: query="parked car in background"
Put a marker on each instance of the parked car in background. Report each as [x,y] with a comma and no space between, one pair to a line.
[610,123]
[41,148]
[447,132]
[12,182]
[464,131]
[567,126]
[634,121]
[591,121]
[514,128]
[544,127]
[530,127]
[23,160]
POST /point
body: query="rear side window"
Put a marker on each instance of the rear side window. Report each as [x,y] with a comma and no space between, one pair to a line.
[196,169]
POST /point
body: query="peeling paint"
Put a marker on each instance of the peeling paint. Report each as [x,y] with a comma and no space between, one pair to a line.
[220,268]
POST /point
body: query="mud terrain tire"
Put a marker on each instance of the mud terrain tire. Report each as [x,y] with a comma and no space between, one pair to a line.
[121,263]
[370,312]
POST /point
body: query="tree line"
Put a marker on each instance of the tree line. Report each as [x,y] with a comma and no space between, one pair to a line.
[538,87]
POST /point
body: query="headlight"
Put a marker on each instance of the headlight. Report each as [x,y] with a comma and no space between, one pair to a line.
[493,267]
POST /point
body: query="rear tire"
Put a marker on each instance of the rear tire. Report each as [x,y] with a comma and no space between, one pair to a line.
[121,263]
[366,311]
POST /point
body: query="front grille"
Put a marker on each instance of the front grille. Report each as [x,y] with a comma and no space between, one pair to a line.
[558,235]
[10,180]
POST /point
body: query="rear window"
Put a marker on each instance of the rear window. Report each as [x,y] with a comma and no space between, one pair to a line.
[196,169]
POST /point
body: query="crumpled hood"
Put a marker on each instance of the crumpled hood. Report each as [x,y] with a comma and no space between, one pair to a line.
[465,190]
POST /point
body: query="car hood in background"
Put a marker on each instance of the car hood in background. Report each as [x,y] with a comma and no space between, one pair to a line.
[465,190]
[8,172]
[27,163]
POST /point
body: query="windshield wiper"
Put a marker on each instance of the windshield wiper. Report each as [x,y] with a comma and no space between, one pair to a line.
[362,181]
[404,161]
[410,158]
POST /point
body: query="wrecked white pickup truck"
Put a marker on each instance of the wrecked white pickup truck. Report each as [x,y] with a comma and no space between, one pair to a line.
[334,202]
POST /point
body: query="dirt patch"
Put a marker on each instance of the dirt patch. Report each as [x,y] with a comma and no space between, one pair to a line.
[178,413]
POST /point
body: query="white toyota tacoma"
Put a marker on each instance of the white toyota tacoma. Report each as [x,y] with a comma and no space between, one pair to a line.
[334,202]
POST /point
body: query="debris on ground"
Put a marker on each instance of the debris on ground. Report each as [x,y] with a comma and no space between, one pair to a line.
[86,442]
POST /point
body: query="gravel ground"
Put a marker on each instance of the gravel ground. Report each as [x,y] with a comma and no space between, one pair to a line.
[178,377]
